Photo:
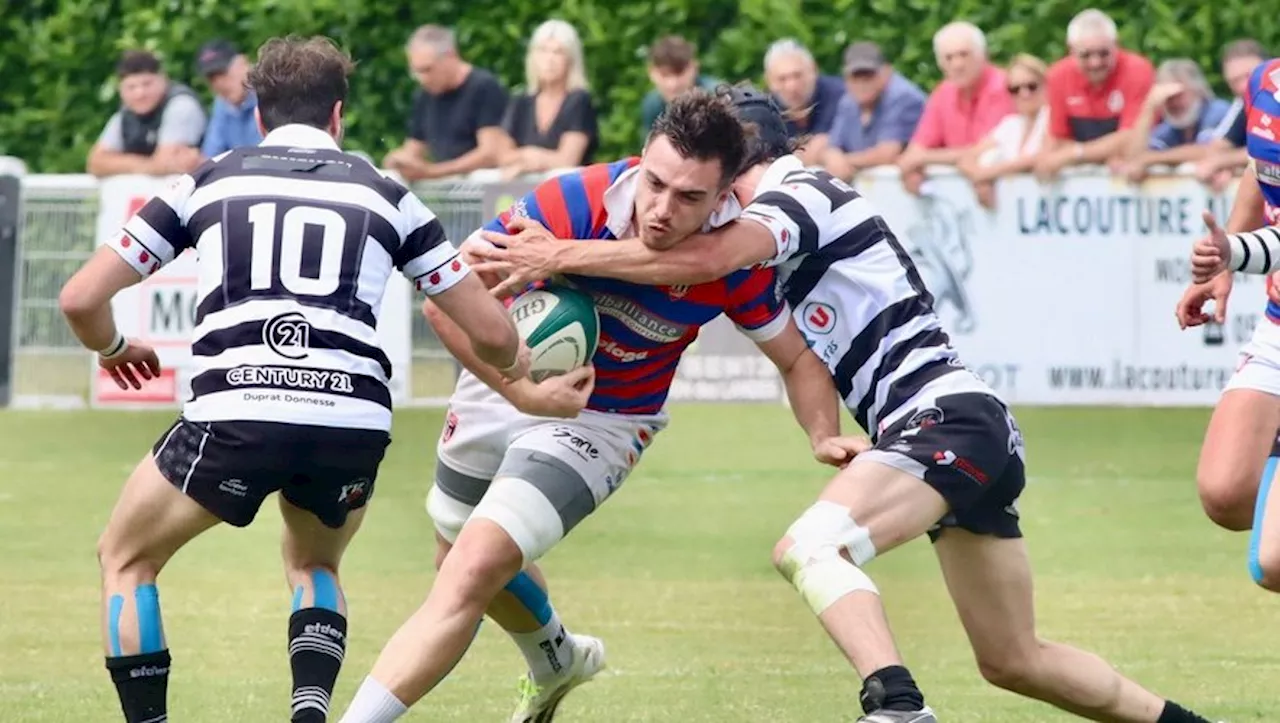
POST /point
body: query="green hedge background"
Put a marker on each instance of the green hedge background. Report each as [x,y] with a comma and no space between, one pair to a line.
[57,85]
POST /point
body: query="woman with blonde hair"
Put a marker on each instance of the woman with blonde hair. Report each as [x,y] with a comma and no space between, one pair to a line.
[1011,146]
[553,124]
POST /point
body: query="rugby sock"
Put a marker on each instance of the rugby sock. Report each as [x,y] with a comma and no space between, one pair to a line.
[317,643]
[142,682]
[891,688]
[549,649]
[1174,713]
[373,704]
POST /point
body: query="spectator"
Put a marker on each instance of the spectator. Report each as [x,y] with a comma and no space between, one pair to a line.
[1095,95]
[553,125]
[1226,154]
[1181,96]
[966,105]
[158,128]
[1012,146]
[807,99]
[876,117]
[232,121]
[673,69]
[455,126]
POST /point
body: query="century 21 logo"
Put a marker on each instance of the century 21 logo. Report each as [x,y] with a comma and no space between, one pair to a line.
[288,335]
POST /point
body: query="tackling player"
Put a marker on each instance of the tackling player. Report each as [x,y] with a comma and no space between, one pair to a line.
[511,484]
[947,456]
[295,241]
[1235,475]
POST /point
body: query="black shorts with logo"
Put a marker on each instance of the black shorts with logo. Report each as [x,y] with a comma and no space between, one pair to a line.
[231,467]
[966,446]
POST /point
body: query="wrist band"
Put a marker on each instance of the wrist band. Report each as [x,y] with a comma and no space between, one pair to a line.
[115,348]
[510,368]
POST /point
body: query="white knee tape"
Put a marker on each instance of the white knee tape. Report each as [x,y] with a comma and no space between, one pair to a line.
[448,514]
[524,513]
[814,564]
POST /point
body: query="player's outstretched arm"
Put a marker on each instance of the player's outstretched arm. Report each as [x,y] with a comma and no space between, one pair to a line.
[489,333]
[532,253]
[562,396]
[812,394]
[85,301]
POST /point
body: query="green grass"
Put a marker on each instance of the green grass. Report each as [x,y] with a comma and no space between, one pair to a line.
[673,573]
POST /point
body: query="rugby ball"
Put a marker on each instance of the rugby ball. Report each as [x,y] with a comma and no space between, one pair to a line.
[561,327]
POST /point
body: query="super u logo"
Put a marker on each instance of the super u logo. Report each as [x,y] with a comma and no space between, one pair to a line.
[288,335]
[819,318]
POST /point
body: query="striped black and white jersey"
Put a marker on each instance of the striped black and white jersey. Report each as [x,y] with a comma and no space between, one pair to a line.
[295,241]
[856,295]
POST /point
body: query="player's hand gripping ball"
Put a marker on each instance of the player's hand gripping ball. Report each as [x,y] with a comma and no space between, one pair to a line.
[561,327]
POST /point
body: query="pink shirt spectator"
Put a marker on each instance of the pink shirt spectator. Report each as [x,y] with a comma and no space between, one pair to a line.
[951,120]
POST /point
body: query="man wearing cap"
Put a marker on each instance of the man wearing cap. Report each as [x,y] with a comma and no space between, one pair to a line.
[876,117]
[231,121]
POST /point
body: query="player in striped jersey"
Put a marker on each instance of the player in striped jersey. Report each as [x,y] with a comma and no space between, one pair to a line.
[512,482]
[945,454]
[1235,475]
[295,241]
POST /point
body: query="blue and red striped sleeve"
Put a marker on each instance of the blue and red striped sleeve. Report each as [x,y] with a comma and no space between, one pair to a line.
[755,305]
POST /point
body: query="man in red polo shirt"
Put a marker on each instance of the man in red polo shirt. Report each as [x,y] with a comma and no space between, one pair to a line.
[1095,96]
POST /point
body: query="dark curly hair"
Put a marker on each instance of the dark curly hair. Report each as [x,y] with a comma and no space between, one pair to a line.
[701,125]
[299,80]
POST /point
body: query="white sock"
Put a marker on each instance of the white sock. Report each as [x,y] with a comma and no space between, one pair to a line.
[373,704]
[549,650]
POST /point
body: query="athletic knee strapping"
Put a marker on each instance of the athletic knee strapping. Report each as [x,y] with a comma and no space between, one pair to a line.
[146,600]
[1259,514]
[531,596]
[524,513]
[814,564]
[447,513]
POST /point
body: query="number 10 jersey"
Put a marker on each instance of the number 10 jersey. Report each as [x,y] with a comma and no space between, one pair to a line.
[295,242]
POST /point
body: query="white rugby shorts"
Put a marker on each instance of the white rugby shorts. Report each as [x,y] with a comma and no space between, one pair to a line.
[565,467]
[1259,362]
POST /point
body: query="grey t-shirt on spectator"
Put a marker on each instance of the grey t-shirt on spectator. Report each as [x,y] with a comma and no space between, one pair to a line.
[181,124]
[894,118]
[448,123]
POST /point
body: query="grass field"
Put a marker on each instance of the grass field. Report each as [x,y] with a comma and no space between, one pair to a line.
[673,573]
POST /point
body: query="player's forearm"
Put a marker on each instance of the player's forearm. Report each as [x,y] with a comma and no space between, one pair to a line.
[636,263]
[457,343]
[92,324]
[813,397]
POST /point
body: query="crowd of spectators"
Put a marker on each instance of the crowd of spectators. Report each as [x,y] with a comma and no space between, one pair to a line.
[1101,104]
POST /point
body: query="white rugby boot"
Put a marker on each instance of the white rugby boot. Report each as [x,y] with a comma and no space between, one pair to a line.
[924,715]
[538,703]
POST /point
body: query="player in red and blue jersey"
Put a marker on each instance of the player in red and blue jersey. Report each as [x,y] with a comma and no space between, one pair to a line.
[512,480]
[1241,452]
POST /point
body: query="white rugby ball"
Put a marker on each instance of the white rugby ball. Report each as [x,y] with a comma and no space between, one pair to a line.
[561,327]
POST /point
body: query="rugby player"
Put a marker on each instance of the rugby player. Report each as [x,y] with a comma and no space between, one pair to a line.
[511,483]
[946,455]
[295,241]
[1239,457]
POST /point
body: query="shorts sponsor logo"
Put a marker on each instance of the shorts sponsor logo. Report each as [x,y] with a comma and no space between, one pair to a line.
[234,487]
[354,491]
[640,320]
[947,458]
[311,380]
[818,317]
[450,426]
[288,335]
[571,439]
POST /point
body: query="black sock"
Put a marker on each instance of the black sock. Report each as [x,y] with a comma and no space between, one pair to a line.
[890,688]
[317,643]
[142,682]
[1174,713]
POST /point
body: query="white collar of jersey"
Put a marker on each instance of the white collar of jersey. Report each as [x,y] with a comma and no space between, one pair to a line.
[620,206]
[298,135]
[777,172]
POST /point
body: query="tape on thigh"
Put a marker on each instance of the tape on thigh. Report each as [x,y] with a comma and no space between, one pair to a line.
[537,499]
